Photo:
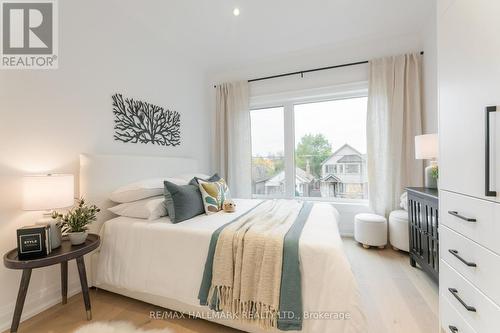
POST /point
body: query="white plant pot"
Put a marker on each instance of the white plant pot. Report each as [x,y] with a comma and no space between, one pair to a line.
[77,238]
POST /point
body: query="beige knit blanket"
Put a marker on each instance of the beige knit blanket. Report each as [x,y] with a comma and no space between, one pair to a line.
[246,274]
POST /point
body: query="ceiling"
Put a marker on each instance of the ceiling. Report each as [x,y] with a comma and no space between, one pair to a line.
[207,32]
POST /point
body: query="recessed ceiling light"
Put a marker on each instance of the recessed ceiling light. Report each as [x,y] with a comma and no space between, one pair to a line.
[236,12]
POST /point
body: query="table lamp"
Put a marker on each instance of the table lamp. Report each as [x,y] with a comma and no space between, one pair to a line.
[48,192]
[426,148]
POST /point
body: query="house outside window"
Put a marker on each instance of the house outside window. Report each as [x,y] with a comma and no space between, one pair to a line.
[347,179]
[313,148]
[268,176]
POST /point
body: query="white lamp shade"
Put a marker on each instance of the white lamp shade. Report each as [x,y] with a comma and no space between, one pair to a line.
[426,146]
[43,192]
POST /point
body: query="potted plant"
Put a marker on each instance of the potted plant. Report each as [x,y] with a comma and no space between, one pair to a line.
[75,222]
[435,174]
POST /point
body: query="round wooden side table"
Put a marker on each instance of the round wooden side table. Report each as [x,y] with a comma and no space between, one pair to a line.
[61,255]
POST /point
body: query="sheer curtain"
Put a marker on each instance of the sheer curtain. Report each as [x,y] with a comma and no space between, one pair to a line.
[232,135]
[394,119]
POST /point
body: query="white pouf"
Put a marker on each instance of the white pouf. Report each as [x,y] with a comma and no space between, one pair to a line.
[370,230]
[398,230]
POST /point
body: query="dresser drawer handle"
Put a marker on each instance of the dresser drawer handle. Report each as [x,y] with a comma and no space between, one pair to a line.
[468,263]
[453,329]
[455,213]
[454,292]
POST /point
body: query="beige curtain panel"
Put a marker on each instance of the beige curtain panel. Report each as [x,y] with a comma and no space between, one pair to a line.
[233,148]
[394,118]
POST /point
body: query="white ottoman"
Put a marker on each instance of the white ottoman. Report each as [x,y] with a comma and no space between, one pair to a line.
[370,230]
[398,230]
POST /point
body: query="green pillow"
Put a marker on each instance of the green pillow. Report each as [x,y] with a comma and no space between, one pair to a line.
[184,201]
[195,180]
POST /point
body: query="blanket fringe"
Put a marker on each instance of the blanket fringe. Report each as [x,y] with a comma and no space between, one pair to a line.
[221,299]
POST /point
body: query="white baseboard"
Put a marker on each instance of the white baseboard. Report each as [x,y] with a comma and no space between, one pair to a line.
[36,302]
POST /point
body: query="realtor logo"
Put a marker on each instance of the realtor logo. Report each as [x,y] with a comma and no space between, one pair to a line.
[29,34]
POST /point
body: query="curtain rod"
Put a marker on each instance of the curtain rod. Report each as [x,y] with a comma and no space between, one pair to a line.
[310,70]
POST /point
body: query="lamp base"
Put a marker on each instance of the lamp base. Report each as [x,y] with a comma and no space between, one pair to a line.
[429,180]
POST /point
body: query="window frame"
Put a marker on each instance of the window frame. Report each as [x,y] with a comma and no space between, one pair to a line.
[288,100]
[280,195]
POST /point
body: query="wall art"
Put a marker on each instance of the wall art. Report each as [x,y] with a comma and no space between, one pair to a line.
[137,121]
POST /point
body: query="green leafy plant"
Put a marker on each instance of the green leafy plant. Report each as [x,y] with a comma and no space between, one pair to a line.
[314,148]
[77,219]
[435,172]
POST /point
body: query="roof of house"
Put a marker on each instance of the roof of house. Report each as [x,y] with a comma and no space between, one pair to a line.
[354,152]
[301,176]
[261,180]
[331,178]
[350,159]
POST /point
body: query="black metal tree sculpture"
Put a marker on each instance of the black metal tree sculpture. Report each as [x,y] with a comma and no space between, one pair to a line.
[141,122]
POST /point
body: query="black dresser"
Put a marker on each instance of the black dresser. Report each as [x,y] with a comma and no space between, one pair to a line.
[423,218]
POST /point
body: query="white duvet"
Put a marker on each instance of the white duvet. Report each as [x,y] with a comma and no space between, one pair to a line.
[165,259]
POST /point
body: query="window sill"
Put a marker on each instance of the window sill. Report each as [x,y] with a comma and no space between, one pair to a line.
[340,202]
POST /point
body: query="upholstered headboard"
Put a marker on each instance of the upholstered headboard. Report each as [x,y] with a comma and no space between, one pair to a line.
[102,174]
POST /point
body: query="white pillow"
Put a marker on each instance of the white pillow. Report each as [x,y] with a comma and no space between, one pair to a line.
[150,208]
[403,201]
[143,189]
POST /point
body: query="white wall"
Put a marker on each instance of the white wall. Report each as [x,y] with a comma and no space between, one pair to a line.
[352,51]
[47,118]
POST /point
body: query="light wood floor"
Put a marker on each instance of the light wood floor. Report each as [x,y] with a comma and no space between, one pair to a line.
[396,298]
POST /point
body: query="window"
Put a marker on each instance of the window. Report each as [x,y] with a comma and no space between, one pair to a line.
[311,148]
[268,141]
[352,168]
[331,133]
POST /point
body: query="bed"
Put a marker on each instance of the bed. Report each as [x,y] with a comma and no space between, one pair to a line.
[162,263]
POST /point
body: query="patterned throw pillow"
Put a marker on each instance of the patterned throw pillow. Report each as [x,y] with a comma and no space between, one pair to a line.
[213,194]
